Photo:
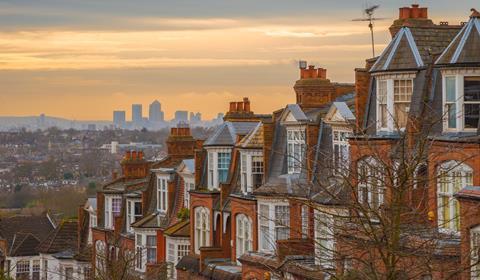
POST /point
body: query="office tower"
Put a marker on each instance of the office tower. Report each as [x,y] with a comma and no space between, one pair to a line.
[137,118]
[181,116]
[155,113]
[119,118]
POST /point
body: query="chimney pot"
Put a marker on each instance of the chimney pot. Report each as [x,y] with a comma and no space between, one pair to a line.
[239,106]
[134,155]
[246,104]
[233,106]
[311,67]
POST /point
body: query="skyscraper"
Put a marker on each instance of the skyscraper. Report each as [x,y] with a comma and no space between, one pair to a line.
[155,113]
[181,116]
[137,117]
[119,118]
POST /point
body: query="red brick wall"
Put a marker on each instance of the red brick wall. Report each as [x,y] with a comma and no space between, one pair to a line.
[248,208]
[200,200]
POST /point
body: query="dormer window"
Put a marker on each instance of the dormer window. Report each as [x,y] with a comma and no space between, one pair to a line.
[461,105]
[218,166]
[394,94]
[162,193]
[251,167]
[295,149]
[134,212]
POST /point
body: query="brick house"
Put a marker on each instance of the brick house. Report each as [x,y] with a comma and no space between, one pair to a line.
[417,90]
[141,215]
[231,238]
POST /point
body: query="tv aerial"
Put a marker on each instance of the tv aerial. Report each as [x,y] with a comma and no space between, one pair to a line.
[369,11]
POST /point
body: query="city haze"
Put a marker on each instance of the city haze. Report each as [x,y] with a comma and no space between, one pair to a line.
[84,59]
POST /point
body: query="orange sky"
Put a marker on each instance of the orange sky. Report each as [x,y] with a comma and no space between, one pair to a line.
[83,66]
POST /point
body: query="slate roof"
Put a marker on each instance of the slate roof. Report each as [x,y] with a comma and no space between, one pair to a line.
[471,192]
[189,164]
[64,237]
[180,229]
[226,134]
[122,185]
[152,220]
[24,233]
[254,139]
[344,110]
[465,47]
[412,47]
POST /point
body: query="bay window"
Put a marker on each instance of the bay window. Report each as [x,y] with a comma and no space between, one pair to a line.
[251,169]
[274,224]
[113,207]
[295,149]
[145,249]
[244,234]
[151,247]
[202,228]
[162,193]
[394,94]
[461,101]
[453,176]
[218,166]
[23,269]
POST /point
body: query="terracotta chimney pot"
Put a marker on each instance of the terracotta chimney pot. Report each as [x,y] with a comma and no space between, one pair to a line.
[239,106]
[233,106]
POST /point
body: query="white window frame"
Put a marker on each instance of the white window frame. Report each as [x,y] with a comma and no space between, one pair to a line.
[269,226]
[390,99]
[459,75]
[305,213]
[452,177]
[296,149]
[341,144]
[176,248]
[141,249]
[213,166]
[247,168]
[202,228]
[162,193]
[474,252]
[109,214]
[188,185]
[131,217]
[243,235]
[324,239]
[371,183]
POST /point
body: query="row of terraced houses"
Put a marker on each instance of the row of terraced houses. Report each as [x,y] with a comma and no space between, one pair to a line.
[261,197]
[306,192]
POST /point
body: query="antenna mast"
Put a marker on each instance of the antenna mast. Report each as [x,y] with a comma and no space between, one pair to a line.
[369,17]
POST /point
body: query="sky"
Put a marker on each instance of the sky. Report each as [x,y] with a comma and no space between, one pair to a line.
[82,59]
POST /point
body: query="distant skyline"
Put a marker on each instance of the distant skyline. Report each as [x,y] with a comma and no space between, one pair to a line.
[83,59]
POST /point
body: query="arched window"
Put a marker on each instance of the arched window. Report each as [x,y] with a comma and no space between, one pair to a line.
[371,188]
[452,177]
[202,228]
[243,235]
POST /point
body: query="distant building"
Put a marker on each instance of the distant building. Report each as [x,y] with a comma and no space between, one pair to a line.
[137,118]
[181,116]
[119,118]
[91,127]
[155,113]
[195,117]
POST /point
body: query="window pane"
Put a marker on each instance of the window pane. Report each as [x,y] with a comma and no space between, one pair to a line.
[472,114]
[472,89]
[450,89]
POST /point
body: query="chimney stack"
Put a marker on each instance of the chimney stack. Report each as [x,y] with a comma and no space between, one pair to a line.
[312,73]
[414,16]
[414,12]
[246,104]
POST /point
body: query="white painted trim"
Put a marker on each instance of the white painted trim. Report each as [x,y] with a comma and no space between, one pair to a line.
[383,53]
[398,38]
[413,46]
[477,24]
[461,45]
[450,45]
